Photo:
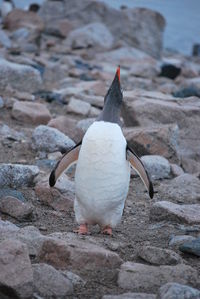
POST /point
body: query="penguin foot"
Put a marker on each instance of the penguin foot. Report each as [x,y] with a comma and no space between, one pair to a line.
[107,230]
[82,230]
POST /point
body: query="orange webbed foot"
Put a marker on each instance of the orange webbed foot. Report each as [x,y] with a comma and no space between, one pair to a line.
[82,230]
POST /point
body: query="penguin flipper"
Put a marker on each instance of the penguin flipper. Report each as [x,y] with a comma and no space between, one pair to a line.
[65,162]
[138,166]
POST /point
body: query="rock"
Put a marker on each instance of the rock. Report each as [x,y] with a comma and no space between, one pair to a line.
[158,167]
[19,18]
[176,170]
[185,188]
[1,103]
[50,140]
[82,126]
[7,227]
[95,35]
[176,241]
[74,278]
[16,275]
[148,69]
[78,107]
[159,256]
[192,82]
[192,246]
[50,283]
[136,277]
[24,96]
[170,71]
[64,124]
[15,208]
[17,175]
[10,134]
[76,253]
[157,140]
[177,291]
[19,77]
[165,210]
[187,92]
[32,113]
[4,192]
[4,40]
[130,296]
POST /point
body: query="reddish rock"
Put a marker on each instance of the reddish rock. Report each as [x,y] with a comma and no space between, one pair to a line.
[165,210]
[16,275]
[176,170]
[64,124]
[14,207]
[78,107]
[32,113]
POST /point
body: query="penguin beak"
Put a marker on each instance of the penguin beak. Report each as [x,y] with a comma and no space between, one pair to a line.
[118,73]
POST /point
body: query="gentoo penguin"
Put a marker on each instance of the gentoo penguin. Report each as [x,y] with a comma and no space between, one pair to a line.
[6,7]
[103,167]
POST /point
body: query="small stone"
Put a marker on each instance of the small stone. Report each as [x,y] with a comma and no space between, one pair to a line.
[159,256]
[74,278]
[170,71]
[17,175]
[78,107]
[176,241]
[130,296]
[16,275]
[158,167]
[11,134]
[192,247]
[24,96]
[15,208]
[50,283]
[135,276]
[176,170]
[177,291]
[50,140]
[165,210]
[1,103]
[32,113]
[64,124]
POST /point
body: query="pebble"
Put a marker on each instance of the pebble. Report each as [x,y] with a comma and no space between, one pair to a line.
[158,167]
[177,291]
[192,247]
[176,241]
[78,107]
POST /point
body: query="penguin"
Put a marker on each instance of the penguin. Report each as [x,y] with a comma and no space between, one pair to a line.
[102,173]
[6,7]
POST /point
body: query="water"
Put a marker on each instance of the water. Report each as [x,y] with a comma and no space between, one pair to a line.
[182,16]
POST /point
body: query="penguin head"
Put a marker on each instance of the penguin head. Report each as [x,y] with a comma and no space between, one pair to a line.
[112,101]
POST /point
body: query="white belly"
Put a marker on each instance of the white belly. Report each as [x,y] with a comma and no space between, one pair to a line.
[102,175]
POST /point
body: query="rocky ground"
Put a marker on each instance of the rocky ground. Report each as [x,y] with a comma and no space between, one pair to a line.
[53,77]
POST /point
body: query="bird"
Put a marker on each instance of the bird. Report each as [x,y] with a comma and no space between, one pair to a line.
[102,175]
[6,7]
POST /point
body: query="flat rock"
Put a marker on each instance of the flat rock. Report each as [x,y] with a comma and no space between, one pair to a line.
[176,241]
[165,210]
[76,253]
[159,256]
[15,208]
[184,188]
[177,291]
[95,35]
[78,107]
[32,113]
[140,277]
[18,76]
[158,167]
[130,296]
[49,140]
[16,275]
[50,283]
[192,246]
[17,175]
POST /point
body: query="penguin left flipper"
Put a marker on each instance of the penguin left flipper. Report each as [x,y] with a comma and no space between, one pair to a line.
[66,161]
[138,166]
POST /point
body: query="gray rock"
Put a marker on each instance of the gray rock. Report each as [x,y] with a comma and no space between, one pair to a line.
[184,188]
[5,40]
[15,208]
[191,247]
[1,103]
[159,256]
[177,291]
[176,241]
[7,227]
[50,283]
[11,134]
[74,278]
[130,296]
[16,275]
[136,277]
[18,76]
[17,175]
[158,167]
[78,107]
[176,170]
[165,210]
[94,35]
[50,140]
[84,124]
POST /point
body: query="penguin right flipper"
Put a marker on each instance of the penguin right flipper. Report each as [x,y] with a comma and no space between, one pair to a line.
[66,161]
[138,166]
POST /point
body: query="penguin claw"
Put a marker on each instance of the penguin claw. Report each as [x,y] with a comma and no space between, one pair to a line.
[107,230]
[82,230]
